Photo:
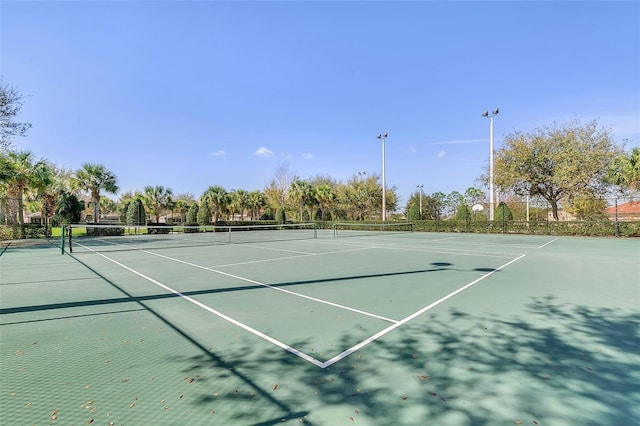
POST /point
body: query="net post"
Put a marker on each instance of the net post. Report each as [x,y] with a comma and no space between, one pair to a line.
[335,230]
[70,232]
[315,230]
[62,231]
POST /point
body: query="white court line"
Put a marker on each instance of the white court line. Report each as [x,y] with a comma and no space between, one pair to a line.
[249,262]
[376,336]
[314,299]
[546,244]
[282,345]
[219,314]
[452,251]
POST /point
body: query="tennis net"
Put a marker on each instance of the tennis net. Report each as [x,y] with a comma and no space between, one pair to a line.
[80,238]
[352,229]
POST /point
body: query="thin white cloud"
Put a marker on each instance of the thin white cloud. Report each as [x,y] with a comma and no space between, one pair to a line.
[412,150]
[218,153]
[457,141]
[263,152]
[307,156]
[442,153]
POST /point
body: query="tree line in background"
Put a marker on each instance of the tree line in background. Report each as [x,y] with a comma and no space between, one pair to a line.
[573,165]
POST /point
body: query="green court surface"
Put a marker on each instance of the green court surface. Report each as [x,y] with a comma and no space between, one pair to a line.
[394,329]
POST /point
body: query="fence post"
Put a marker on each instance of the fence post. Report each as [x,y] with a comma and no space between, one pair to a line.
[616,215]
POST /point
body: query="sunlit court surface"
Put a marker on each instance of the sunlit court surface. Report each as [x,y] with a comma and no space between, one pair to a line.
[321,328]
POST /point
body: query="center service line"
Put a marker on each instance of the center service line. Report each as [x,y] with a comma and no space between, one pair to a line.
[269,339]
[410,317]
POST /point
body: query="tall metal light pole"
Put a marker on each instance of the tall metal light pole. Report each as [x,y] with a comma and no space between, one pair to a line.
[491,192]
[383,137]
[420,189]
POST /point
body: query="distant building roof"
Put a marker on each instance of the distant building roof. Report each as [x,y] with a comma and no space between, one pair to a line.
[632,207]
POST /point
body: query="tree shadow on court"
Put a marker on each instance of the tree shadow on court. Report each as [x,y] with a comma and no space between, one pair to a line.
[555,363]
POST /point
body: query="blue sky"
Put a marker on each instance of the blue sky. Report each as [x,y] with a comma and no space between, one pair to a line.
[192,94]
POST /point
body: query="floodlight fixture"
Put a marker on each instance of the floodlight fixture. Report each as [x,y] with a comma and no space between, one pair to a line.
[491,191]
[383,137]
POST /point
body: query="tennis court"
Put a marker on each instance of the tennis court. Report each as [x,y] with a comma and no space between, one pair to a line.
[370,328]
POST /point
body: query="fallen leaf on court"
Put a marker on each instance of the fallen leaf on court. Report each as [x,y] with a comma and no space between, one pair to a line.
[404,398]
[132,404]
[54,415]
[518,422]
[357,412]
[351,418]
[275,386]
[89,402]
[28,404]
[423,377]
[212,411]
[89,421]
[535,422]
[589,368]
[414,356]
[433,393]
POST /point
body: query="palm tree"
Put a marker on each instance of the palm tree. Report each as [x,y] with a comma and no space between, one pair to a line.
[324,195]
[94,178]
[299,191]
[257,201]
[19,172]
[156,199]
[239,202]
[217,198]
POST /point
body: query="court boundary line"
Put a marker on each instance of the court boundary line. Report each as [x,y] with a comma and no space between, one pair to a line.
[282,345]
[546,244]
[269,286]
[219,314]
[403,321]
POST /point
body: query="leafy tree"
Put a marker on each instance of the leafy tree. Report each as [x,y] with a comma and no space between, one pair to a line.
[136,214]
[11,102]
[95,178]
[281,216]
[216,199]
[625,171]
[556,161]
[122,217]
[473,196]
[278,186]
[156,199]
[19,171]
[192,214]
[463,212]
[361,196]
[453,201]
[204,214]
[502,212]
[181,205]
[413,212]
[68,210]
[585,207]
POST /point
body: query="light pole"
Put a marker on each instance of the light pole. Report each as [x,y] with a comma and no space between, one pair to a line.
[420,189]
[383,137]
[491,193]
